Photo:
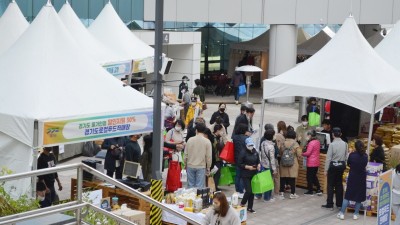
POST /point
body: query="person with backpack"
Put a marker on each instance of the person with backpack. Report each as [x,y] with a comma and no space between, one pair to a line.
[268,161]
[289,165]
[312,150]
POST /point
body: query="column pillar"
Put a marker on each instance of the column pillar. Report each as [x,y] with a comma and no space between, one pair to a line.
[282,53]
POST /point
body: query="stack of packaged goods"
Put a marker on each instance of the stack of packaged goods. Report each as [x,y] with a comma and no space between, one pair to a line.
[373,172]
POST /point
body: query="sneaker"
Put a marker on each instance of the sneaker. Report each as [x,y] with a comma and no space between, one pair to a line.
[319,193]
[251,211]
[310,193]
[256,197]
[240,195]
[236,102]
[269,201]
[340,216]
[281,196]
[293,196]
[327,207]
[355,217]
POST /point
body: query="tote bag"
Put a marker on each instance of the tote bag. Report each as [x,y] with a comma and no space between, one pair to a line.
[262,182]
[173,177]
[242,89]
[226,176]
[228,152]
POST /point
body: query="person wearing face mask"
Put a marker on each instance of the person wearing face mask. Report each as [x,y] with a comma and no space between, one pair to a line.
[396,194]
[183,86]
[313,111]
[132,149]
[193,111]
[249,162]
[175,135]
[41,195]
[185,103]
[301,131]
[222,114]
[313,162]
[219,144]
[221,213]
[218,121]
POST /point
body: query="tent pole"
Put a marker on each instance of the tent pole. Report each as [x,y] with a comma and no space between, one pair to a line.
[262,123]
[35,155]
[371,124]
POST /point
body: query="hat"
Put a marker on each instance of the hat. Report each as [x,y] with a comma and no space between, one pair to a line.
[313,99]
[336,131]
[193,99]
[40,186]
[249,142]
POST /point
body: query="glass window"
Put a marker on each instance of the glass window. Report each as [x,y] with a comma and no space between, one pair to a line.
[81,8]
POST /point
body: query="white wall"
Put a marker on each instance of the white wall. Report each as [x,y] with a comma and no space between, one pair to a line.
[277,11]
[185,49]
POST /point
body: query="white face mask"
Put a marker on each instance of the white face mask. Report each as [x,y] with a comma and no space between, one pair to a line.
[178,128]
[304,123]
[250,147]
[194,103]
[41,198]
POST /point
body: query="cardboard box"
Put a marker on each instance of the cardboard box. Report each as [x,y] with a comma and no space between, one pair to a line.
[395,152]
[135,216]
[242,212]
[374,169]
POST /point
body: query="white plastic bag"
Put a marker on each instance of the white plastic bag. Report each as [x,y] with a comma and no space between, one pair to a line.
[183,176]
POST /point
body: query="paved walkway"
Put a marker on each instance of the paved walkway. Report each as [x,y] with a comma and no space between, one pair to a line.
[302,211]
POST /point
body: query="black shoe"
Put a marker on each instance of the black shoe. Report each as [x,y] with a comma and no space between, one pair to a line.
[319,193]
[327,207]
[251,211]
[310,193]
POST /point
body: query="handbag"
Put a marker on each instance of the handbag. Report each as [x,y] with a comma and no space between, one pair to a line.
[242,89]
[228,152]
[226,176]
[262,182]
[173,176]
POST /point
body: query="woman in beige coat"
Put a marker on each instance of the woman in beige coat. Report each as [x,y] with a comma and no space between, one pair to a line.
[289,173]
[280,140]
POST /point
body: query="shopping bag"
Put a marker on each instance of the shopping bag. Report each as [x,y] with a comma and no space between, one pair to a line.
[173,177]
[226,176]
[242,89]
[183,176]
[314,119]
[228,152]
[233,172]
[262,182]
[211,183]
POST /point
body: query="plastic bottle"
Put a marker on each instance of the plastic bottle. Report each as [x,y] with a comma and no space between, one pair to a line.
[235,199]
[198,204]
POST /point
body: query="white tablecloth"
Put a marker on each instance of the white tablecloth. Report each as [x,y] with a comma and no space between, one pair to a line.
[168,217]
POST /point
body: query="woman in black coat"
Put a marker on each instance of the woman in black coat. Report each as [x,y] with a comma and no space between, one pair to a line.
[378,155]
[249,162]
[357,180]
[222,114]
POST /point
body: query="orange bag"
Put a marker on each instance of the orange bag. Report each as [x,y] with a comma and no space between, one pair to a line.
[228,152]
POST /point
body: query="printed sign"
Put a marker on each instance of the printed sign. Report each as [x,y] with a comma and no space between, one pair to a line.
[93,128]
[385,198]
[139,66]
[119,69]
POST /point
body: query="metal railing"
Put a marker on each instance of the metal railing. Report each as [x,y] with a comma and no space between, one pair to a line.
[79,204]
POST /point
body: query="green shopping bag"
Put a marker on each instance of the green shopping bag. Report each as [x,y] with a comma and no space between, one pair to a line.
[262,182]
[226,176]
[314,119]
[233,173]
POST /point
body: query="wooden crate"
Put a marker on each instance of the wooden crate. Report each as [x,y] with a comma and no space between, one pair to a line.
[301,180]
[369,213]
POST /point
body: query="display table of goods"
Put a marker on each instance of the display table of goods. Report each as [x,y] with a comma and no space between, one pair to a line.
[195,203]
[371,203]
[301,180]
[110,191]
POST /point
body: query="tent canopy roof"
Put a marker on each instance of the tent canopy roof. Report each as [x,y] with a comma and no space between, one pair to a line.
[389,48]
[314,44]
[347,70]
[12,25]
[112,32]
[93,47]
[56,80]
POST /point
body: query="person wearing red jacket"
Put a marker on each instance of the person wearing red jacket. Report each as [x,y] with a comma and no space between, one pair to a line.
[312,150]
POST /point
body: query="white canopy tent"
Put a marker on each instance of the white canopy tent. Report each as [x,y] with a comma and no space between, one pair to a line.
[93,47]
[389,48]
[315,43]
[51,92]
[346,70]
[112,32]
[12,25]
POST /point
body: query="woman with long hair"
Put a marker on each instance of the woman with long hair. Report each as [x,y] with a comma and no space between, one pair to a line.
[221,213]
[357,180]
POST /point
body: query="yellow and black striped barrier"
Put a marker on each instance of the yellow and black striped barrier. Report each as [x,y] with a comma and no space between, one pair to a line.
[156,194]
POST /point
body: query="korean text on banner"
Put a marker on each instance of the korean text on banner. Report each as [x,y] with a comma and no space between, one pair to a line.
[92,128]
[385,198]
[119,69]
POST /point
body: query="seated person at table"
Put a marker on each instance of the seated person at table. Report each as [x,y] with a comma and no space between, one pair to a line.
[221,213]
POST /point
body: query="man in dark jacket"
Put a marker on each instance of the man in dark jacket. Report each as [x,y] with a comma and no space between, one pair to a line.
[183,86]
[132,149]
[112,162]
[47,160]
[239,143]
[246,119]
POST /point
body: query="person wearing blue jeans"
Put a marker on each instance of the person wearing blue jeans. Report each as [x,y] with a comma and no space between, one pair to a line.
[239,186]
[196,177]
[268,161]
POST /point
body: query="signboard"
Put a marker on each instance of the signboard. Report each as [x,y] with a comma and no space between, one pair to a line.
[139,66]
[385,198]
[93,128]
[119,69]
